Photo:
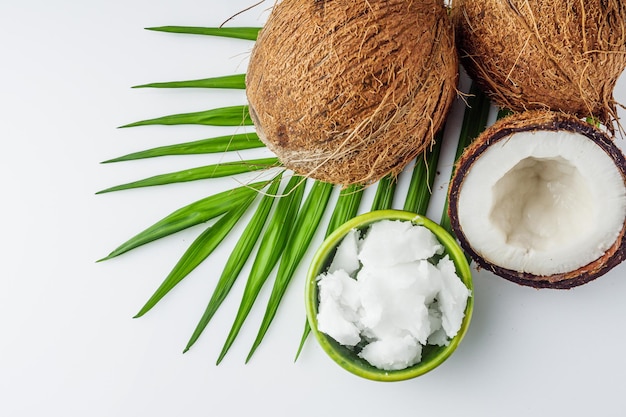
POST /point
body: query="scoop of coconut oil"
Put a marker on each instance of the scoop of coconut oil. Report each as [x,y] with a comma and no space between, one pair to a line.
[389,293]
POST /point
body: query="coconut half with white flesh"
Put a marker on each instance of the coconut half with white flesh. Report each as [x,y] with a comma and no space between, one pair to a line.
[540,199]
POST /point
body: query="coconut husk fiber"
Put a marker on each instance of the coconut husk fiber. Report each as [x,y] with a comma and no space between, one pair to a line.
[532,54]
[348,91]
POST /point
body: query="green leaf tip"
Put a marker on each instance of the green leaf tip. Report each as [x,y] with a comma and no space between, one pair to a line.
[222,116]
[199,250]
[235,82]
[190,215]
[235,142]
[245,33]
[225,169]
[305,334]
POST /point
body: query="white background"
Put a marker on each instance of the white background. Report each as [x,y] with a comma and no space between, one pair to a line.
[68,343]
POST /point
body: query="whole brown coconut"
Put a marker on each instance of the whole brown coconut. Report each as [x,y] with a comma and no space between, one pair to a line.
[534,54]
[539,199]
[348,91]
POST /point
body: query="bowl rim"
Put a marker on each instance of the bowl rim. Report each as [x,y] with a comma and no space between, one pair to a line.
[319,260]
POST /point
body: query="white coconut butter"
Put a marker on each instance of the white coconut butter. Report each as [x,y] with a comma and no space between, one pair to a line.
[385,295]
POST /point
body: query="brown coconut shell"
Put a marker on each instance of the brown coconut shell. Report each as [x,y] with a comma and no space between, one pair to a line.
[348,91]
[537,121]
[545,54]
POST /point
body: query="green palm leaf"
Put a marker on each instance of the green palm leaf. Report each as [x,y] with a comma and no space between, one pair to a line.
[235,81]
[238,257]
[227,143]
[247,33]
[346,207]
[270,249]
[191,215]
[199,250]
[474,122]
[383,199]
[223,116]
[303,230]
[224,169]
[423,178]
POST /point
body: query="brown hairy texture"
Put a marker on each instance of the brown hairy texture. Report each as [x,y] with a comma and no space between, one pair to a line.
[533,54]
[348,91]
[537,120]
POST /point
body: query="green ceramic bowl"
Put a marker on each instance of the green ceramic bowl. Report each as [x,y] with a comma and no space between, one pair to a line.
[432,356]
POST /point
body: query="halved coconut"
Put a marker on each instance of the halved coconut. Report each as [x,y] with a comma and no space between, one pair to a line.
[540,199]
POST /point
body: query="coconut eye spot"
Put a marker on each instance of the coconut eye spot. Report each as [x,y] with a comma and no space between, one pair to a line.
[541,203]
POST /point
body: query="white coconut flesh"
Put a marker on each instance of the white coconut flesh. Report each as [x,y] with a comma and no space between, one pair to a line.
[542,202]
